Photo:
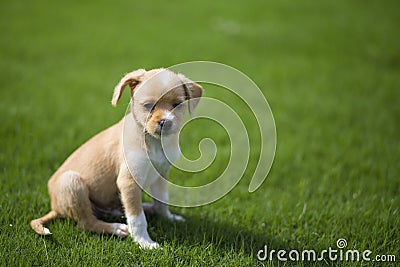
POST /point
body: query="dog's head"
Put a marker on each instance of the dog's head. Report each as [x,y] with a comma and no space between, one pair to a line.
[159,98]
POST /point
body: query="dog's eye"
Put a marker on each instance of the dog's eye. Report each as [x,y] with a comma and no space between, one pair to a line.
[148,106]
[177,105]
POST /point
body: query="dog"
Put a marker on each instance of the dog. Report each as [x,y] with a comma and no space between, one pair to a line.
[105,176]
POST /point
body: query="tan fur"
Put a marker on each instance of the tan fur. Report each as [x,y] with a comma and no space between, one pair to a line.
[95,177]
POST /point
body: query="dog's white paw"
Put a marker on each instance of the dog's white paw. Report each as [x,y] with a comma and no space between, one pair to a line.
[121,230]
[163,211]
[142,238]
[175,218]
[147,243]
[137,226]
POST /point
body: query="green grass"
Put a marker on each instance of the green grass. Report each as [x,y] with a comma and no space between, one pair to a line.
[329,69]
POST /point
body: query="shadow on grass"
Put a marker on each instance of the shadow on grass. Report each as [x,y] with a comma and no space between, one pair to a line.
[223,237]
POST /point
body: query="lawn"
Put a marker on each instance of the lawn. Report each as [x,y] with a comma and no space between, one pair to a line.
[330,71]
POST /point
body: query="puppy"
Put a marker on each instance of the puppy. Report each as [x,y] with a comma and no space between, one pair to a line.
[105,175]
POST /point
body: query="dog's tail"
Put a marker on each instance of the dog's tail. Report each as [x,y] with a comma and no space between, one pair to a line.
[38,224]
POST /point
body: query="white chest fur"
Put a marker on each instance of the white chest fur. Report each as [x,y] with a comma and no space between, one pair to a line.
[146,166]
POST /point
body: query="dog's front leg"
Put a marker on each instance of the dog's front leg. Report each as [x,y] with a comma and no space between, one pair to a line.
[159,192]
[131,197]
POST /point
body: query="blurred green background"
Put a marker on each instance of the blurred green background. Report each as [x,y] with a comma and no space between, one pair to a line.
[329,70]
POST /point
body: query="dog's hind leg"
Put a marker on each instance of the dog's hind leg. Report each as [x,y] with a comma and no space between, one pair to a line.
[70,198]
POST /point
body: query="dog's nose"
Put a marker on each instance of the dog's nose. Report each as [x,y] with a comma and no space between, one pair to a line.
[165,124]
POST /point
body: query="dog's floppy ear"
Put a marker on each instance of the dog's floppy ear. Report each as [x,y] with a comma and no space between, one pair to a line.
[193,92]
[132,79]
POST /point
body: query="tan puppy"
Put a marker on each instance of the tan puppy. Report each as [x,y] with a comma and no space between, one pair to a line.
[95,180]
